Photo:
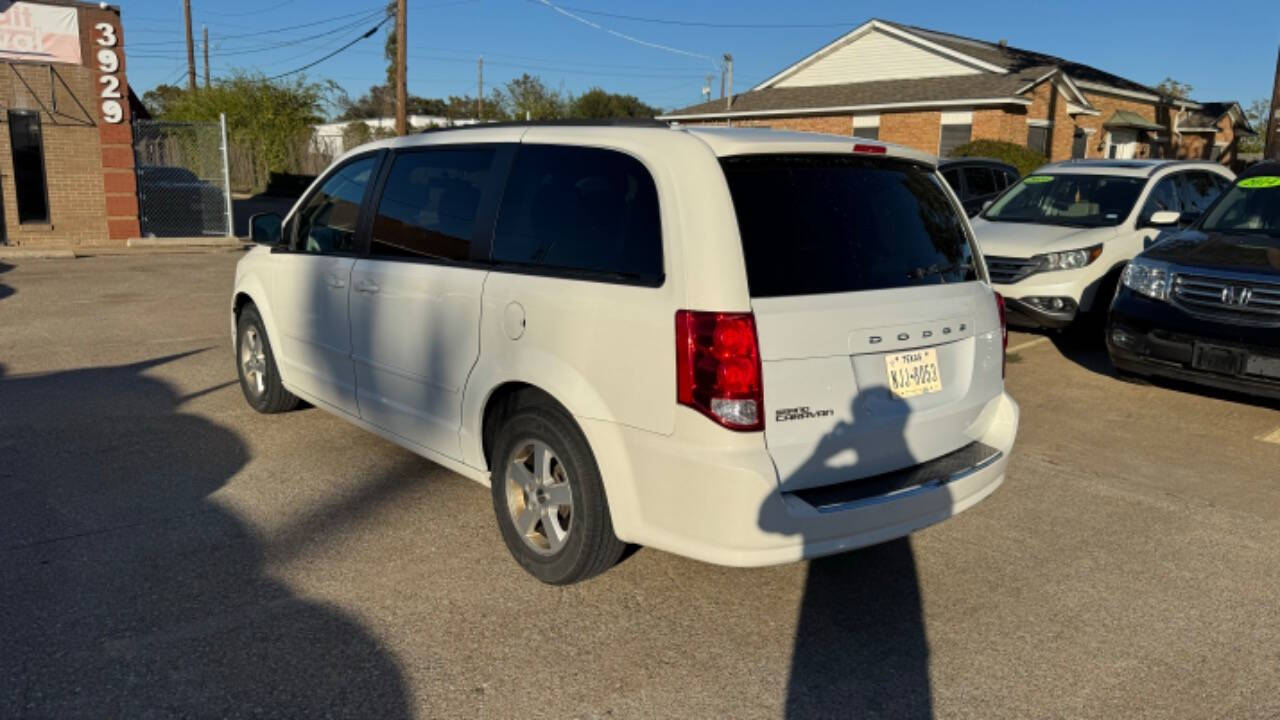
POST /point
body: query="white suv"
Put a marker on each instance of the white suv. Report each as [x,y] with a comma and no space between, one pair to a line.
[743,346]
[1056,242]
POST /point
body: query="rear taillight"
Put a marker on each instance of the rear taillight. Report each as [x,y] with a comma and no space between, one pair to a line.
[718,367]
[869,149]
[1004,333]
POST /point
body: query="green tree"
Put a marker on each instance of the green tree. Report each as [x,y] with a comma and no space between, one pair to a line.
[389,49]
[527,96]
[273,119]
[160,98]
[1174,89]
[1256,113]
[461,107]
[359,132]
[598,103]
[380,102]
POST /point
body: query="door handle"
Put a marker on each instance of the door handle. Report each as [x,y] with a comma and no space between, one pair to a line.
[367,286]
[337,282]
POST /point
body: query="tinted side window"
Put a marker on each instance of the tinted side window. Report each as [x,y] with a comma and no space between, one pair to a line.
[429,203]
[980,181]
[327,222]
[1199,190]
[1004,179]
[953,179]
[581,209]
[1164,196]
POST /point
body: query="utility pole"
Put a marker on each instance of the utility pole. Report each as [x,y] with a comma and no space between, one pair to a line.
[1272,136]
[205,30]
[402,77]
[191,50]
[480,88]
[728,71]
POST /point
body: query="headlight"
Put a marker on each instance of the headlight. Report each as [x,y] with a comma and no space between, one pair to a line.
[1068,259]
[1147,278]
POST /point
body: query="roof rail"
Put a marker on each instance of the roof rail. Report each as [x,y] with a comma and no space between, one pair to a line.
[562,122]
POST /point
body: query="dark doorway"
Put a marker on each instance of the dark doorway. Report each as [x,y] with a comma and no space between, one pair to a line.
[27,140]
[1079,141]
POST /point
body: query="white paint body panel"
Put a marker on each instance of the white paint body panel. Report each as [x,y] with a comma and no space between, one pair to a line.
[414,341]
[436,339]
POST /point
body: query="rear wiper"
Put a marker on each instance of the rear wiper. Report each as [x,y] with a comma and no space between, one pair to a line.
[935,269]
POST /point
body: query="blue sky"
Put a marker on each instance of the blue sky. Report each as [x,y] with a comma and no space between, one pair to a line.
[1225,52]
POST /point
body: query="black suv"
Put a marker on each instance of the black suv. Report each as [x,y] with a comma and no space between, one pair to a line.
[1204,304]
[977,180]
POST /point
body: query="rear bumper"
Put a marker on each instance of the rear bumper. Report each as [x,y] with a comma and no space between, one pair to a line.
[723,505]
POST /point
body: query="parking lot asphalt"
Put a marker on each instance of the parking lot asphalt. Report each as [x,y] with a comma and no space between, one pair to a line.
[166,551]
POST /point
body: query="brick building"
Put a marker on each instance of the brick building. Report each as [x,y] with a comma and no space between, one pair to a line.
[66,153]
[934,91]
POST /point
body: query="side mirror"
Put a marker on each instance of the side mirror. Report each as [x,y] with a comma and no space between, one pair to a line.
[1164,218]
[265,228]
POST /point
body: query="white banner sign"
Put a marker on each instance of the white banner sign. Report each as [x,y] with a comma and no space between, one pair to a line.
[39,33]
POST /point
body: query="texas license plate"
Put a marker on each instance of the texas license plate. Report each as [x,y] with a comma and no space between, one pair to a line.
[914,373]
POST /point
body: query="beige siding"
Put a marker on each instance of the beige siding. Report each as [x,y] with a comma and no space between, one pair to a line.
[876,56]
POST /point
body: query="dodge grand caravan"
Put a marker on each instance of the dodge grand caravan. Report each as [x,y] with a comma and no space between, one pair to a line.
[743,346]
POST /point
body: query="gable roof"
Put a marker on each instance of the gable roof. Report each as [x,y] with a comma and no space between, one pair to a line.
[1210,113]
[1012,58]
[882,94]
[996,71]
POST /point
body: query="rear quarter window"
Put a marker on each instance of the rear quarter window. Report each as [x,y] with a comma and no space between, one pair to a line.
[580,210]
[814,224]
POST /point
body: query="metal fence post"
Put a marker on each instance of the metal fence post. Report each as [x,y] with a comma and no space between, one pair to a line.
[226,175]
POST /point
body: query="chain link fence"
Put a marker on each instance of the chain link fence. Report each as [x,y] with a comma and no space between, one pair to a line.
[182,179]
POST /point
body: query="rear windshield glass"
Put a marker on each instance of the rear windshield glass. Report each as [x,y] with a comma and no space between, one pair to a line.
[1070,200]
[828,223]
[1252,207]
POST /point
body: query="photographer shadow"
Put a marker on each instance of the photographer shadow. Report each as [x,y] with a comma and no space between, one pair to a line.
[130,590]
[860,647]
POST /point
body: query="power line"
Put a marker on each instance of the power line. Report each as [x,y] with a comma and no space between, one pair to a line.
[624,36]
[361,14]
[251,12]
[695,23]
[372,31]
[264,47]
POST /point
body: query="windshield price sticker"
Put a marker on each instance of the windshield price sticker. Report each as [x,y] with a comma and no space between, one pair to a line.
[1037,179]
[1262,181]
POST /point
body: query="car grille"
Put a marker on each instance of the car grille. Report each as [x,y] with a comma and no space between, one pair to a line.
[1229,299]
[1009,270]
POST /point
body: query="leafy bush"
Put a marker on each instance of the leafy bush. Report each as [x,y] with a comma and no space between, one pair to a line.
[1023,158]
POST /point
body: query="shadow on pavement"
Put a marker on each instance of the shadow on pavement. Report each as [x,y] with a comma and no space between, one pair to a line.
[860,647]
[5,290]
[129,590]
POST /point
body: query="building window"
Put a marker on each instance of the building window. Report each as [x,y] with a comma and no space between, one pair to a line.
[957,129]
[866,126]
[1038,139]
[27,141]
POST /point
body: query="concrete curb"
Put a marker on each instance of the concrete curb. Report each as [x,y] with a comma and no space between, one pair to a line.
[172,242]
[36,254]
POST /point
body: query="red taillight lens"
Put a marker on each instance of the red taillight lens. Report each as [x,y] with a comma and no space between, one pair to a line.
[1004,334]
[718,367]
[870,149]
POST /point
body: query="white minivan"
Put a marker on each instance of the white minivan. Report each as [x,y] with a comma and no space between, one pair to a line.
[1056,242]
[742,346]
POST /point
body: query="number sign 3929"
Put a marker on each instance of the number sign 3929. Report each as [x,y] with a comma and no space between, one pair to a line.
[109,64]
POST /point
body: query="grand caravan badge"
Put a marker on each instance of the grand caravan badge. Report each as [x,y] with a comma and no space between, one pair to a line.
[801,413]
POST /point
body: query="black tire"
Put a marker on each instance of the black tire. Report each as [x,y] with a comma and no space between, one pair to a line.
[272,397]
[589,545]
